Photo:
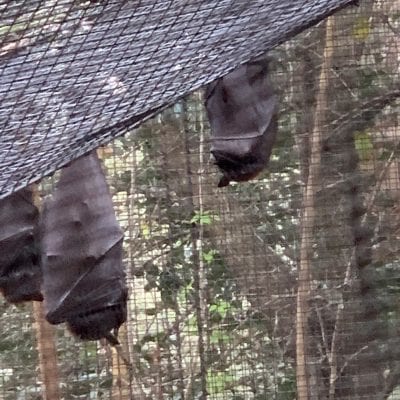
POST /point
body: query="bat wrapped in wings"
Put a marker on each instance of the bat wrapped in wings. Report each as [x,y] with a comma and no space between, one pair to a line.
[83,275]
[20,272]
[242,110]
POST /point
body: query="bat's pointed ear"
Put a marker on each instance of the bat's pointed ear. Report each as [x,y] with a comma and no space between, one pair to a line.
[209,90]
[224,181]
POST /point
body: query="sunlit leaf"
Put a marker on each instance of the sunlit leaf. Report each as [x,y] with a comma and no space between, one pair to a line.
[362,28]
[364,146]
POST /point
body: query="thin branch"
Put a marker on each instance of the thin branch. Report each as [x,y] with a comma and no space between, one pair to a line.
[361,116]
[351,358]
[323,334]
[391,382]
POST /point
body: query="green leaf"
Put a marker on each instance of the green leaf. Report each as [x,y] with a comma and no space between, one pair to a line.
[220,337]
[145,230]
[192,328]
[208,257]
[364,146]
[221,308]
[205,218]
[218,382]
[362,28]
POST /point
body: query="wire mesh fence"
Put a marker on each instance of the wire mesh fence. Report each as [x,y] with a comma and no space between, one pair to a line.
[284,287]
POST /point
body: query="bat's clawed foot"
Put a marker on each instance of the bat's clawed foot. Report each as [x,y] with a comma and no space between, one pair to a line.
[112,338]
[237,169]
[224,181]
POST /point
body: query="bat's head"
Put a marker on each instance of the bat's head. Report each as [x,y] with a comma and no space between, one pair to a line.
[18,288]
[20,281]
[241,160]
[238,169]
[242,110]
[97,324]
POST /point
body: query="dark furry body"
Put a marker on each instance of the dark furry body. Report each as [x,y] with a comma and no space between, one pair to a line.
[242,110]
[83,275]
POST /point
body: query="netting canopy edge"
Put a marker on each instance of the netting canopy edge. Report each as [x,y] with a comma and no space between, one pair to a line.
[65,98]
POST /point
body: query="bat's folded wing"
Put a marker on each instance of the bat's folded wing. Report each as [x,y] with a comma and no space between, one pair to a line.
[242,110]
[83,275]
[20,272]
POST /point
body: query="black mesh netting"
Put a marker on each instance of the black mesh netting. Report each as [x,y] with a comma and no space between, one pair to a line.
[74,74]
[283,287]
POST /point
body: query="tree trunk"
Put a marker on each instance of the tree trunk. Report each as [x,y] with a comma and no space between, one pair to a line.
[304,391]
[47,354]
[120,355]
[121,386]
[46,346]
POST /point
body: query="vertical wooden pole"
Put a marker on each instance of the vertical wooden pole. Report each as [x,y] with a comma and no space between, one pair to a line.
[45,341]
[121,383]
[308,220]
[121,379]
[47,354]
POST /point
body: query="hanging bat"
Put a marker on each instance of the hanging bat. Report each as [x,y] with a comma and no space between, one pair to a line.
[242,110]
[83,275]
[20,272]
